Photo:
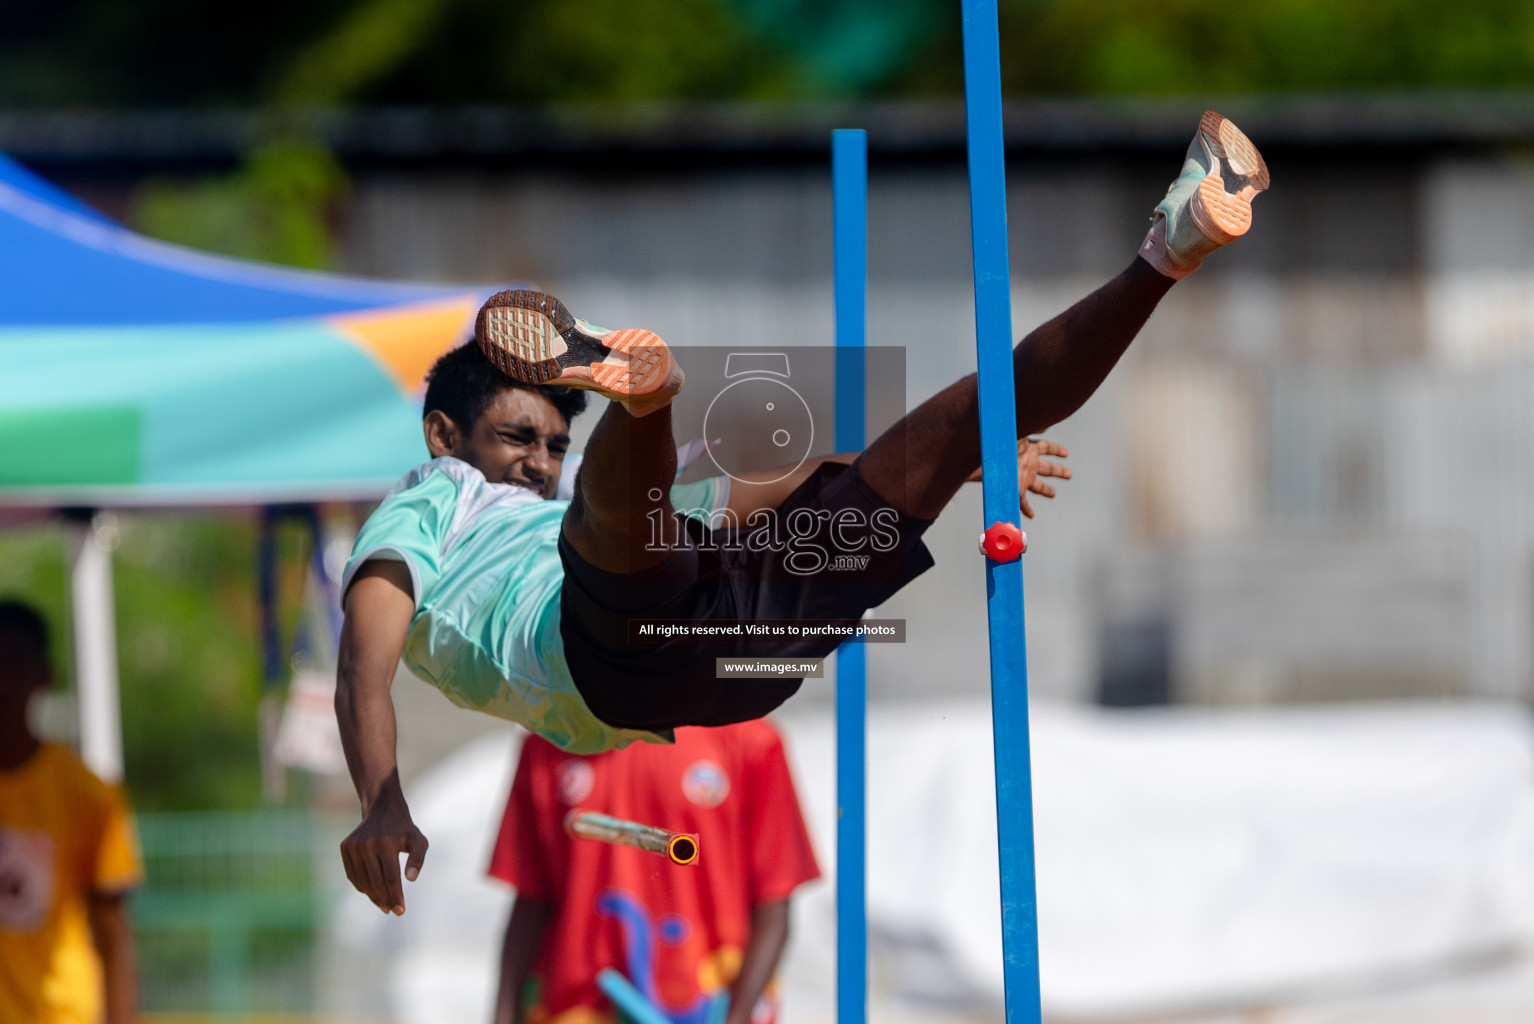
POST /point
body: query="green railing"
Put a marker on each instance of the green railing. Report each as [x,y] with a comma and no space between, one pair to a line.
[227,916]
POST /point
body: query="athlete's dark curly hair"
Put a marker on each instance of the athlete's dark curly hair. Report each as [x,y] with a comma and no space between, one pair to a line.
[463,383]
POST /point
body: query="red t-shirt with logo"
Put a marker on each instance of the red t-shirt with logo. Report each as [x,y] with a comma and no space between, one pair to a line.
[678,933]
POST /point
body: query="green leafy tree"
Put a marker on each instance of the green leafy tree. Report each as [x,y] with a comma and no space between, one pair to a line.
[156,52]
[1185,46]
[190,666]
[1165,47]
[277,206]
[542,51]
[187,658]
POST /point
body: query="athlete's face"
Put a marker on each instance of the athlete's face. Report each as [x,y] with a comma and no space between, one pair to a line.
[520,439]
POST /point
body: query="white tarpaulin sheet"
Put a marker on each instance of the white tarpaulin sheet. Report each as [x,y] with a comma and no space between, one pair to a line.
[1185,857]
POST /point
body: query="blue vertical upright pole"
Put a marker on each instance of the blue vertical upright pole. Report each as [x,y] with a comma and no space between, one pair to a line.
[849,216]
[1004,581]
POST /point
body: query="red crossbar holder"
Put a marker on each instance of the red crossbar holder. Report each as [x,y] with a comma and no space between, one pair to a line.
[1003,542]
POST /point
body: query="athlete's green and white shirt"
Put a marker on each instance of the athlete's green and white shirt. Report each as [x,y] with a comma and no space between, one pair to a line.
[484,566]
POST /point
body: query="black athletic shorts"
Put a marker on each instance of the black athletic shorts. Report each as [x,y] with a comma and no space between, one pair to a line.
[733,575]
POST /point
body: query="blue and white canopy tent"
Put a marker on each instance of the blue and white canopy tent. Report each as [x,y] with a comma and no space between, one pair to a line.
[136,373]
[133,372]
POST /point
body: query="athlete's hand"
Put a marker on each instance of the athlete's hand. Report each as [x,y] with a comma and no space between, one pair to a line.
[371,852]
[1031,465]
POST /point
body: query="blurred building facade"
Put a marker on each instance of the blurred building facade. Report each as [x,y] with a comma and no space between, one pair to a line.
[1313,476]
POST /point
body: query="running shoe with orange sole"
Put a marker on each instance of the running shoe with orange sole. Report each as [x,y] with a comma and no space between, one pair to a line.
[1210,203]
[531,337]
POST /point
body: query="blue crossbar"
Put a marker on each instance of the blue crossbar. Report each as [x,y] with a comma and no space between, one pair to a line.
[849,236]
[1004,581]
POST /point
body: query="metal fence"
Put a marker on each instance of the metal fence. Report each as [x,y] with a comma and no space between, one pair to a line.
[227,918]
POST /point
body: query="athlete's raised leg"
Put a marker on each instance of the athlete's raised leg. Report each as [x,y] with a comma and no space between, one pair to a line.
[919,463]
[621,519]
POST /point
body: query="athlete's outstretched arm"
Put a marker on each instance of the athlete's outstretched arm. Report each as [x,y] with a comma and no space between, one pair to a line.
[920,463]
[379,606]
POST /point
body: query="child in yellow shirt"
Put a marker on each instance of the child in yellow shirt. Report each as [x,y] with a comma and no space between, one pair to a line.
[67,860]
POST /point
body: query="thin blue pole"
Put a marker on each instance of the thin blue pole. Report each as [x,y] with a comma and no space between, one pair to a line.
[849,217]
[998,443]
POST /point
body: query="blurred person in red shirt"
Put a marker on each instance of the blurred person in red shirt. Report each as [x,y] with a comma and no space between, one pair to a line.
[687,937]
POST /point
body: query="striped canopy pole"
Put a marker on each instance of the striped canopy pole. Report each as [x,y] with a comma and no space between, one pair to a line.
[849,199]
[1004,579]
